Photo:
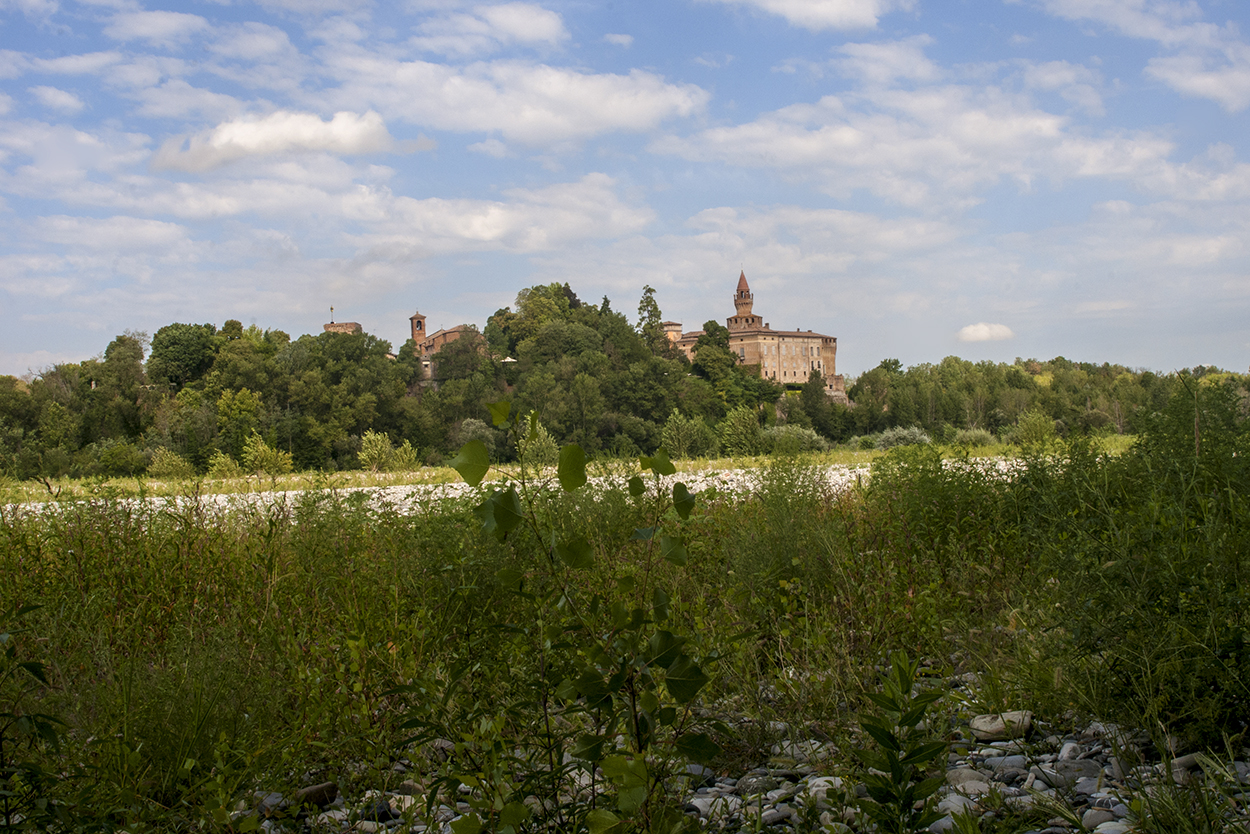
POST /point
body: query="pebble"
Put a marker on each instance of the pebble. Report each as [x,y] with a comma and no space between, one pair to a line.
[798,784]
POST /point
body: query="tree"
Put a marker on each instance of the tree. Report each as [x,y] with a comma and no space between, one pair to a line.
[651,323]
[181,353]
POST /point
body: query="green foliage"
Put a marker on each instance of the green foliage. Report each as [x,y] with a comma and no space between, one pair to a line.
[687,437]
[221,466]
[740,433]
[261,458]
[791,440]
[974,438]
[1034,429]
[896,780]
[902,436]
[376,452]
[182,353]
[169,464]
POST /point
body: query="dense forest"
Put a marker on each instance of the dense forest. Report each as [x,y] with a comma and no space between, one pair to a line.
[206,398]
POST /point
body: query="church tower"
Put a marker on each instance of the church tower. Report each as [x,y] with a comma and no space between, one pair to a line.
[418,327]
[744,299]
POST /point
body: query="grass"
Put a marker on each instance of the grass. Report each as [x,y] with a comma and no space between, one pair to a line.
[199,653]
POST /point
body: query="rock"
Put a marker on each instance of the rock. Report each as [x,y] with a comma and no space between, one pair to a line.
[1002,726]
[1113,828]
[1000,763]
[1095,817]
[379,810]
[945,824]
[700,776]
[1070,750]
[756,783]
[319,796]
[819,787]
[955,804]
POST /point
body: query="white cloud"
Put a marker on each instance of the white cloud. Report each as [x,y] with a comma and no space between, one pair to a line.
[530,220]
[118,233]
[1075,83]
[32,8]
[985,332]
[817,15]
[278,133]
[176,99]
[489,28]
[167,29]
[491,147]
[86,64]
[884,63]
[526,103]
[252,41]
[6,104]
[619,40]
[57,99]
[1210,61]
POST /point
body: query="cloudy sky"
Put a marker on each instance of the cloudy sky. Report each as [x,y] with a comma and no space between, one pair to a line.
[988,179]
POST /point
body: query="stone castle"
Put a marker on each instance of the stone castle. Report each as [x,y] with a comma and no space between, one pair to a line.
[787,356]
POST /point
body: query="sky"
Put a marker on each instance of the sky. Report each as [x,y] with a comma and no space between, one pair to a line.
[990,179]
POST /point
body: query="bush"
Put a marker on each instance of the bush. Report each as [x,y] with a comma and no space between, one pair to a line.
[791,439]
[902,436]
[541,449]
[1033,429]
[974,437]
[221,466]
[687,437]
[376,453]
[740,433]
[406,458]
[261,458]
[474,429]
[167,463]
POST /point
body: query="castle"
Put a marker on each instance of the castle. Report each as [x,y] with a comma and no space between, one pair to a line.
[787,356]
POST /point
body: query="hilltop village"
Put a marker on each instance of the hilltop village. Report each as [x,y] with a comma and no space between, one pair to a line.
[787,357]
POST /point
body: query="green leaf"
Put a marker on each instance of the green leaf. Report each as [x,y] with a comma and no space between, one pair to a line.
[683,501]
[501,513]
[499,412]
[472,462]
[572,471]
[674,550]
[630,800]
[589,748]
[929,786]
[882,736]
[602,821]
[658,463]
[509,578]
[684,679]
[643,534]
[577,554]
[468,824]
[514,813]
[659,605]
[698,747]
[924,753]
[665,647]
[636,486]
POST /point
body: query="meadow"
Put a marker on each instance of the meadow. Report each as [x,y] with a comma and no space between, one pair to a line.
[163,661]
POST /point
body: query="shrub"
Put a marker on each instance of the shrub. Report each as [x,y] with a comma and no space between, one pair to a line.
[376,453]
[405,458]
[1033,429]
[740,433]
[974,437]
[791,439]
[260,457]
[902,436]
[167,463]
[540,449]
[687,437]
[474,429]
[221,466]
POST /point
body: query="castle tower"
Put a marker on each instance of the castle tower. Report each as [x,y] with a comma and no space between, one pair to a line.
[743,301]
[743,298]
[418,327]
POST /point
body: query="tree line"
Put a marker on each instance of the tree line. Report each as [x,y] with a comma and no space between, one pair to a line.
[209,397]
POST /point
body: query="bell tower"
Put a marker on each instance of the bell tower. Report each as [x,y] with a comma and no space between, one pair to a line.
[418,327]
[744,299]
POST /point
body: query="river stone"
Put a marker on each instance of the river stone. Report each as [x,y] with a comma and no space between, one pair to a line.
[317,795]
[1002,726]
[1095,817]
[756,783]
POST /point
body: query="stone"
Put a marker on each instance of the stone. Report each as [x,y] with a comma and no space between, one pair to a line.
[319,796]
[756,783]
[1070,750]
[819,787]
[379,810]
[1113,828]
[955,804]
[1002,726]
[1000,763]
[1095,817]
[943,825]
[700,776]
[962,775]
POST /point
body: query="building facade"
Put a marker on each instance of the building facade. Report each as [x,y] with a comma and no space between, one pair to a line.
[787,356]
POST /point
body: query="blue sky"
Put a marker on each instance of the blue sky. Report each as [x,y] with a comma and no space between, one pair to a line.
[992,179]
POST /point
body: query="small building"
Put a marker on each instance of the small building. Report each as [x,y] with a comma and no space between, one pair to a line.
[787,356]
[429,344]
[352,328]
